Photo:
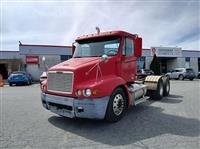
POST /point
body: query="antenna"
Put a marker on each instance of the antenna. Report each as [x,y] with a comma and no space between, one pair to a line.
[98,30]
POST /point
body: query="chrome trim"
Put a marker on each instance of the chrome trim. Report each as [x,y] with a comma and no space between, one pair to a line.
[61,92]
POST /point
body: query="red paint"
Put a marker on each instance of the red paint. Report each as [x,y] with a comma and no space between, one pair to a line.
[118,71]
[32,59]
[138,47]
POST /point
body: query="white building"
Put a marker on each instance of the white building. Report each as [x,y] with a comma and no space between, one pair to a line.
[32,57]
[29,58]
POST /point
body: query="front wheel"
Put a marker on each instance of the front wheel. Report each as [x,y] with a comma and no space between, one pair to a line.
[181,77]
[116,106]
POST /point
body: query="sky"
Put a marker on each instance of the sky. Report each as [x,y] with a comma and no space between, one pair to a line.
[160,23]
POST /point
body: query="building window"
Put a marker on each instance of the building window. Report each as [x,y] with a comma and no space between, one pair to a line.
[65,57]
[187,62]
[128,48]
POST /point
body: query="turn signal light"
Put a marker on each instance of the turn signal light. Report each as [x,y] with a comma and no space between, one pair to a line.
[95,92]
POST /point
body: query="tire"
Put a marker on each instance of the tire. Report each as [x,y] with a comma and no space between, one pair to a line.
[166,84]
[167,76]
[10,84]
[191,79]
[116,106]
[181,77]
[158,93]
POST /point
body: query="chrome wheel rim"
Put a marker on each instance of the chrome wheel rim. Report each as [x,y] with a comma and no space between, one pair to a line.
[118,104]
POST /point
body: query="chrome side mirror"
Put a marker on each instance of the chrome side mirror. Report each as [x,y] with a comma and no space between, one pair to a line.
[104,58]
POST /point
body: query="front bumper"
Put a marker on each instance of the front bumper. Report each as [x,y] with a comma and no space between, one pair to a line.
[94,108]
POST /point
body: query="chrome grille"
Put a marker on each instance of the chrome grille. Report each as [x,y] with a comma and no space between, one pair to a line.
[60,81]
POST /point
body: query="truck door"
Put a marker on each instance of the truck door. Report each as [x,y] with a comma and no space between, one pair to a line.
[128,65]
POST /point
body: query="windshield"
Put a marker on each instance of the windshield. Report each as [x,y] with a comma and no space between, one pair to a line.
[97,47]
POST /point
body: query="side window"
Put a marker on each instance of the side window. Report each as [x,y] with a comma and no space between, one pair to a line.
[128,48]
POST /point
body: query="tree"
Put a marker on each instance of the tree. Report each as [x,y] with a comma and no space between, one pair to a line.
[155,65]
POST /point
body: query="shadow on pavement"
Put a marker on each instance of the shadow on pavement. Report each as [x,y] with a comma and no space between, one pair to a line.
[141,122]
[172,99]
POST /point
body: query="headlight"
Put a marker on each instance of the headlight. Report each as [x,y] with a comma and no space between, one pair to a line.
[78,92]
[87,92]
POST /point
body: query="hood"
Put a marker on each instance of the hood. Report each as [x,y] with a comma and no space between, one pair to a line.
[86,69]
[75,63]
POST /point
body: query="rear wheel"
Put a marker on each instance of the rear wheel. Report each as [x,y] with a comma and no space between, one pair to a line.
[168,77]
[116,106]
[191,79]
[166,84]
[158,93]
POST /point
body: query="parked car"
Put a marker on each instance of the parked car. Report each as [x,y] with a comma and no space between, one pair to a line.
[19,78]
[43,77]
[142,73]
[198,75]
[181,74]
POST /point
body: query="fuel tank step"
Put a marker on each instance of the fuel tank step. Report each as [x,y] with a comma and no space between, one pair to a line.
[137,92]
[141,100]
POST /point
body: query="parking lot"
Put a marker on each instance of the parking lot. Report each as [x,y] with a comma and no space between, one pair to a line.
[173,122]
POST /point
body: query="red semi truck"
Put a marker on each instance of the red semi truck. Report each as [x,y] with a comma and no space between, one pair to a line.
[100,81]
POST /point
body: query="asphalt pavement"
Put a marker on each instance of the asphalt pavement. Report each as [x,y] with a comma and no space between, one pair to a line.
[172,123]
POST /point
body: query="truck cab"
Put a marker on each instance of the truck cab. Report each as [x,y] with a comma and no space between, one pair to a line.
[100,80]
